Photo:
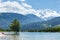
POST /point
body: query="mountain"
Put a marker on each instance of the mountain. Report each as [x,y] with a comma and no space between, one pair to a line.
[28,21]
[34,18]
[35,25]
[54,21]
[43,24]
[7,18]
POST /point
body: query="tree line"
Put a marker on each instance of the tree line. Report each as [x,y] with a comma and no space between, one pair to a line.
[49,29]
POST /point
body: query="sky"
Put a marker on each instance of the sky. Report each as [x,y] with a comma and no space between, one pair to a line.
[45,8]
[43,4]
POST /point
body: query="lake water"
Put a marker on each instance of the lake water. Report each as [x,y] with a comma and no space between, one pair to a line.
[39,36]
[8,37]
[31,36]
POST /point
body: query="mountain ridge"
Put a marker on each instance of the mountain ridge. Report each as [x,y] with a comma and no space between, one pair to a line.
[27,21]
[7,18]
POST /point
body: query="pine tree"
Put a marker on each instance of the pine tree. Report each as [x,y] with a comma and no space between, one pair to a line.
[15,26]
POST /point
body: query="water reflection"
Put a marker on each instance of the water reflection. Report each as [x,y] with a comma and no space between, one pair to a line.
[9,37]
[15,37]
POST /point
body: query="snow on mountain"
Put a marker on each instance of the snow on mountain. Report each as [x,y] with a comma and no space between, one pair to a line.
[48,14]
[23,8]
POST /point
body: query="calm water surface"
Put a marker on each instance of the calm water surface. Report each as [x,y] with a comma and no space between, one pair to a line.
[39,36]
[31,36]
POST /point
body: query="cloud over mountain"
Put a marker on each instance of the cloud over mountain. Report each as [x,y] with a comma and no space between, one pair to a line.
[14,6]
[48,13]
[24,8]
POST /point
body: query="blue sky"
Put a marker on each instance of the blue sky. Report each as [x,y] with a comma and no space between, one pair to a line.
[43,4]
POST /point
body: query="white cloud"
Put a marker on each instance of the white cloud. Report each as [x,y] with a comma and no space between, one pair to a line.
[26,5]
[14,6]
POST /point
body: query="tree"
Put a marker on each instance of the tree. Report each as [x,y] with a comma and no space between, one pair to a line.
[15,26]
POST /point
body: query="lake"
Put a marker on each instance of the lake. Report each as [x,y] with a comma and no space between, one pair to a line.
[39,36]
[31,36]
[8,37]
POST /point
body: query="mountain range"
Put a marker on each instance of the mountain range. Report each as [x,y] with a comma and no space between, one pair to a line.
[28,21]
[7,18]
[43,24]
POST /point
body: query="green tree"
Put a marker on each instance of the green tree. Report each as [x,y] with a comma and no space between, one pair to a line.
[15,26]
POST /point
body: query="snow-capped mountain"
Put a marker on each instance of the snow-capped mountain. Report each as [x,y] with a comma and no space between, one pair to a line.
[48,14]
